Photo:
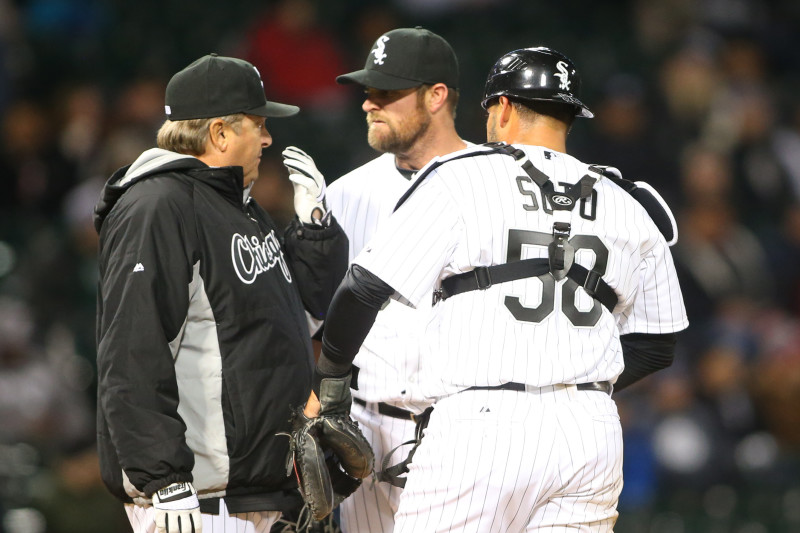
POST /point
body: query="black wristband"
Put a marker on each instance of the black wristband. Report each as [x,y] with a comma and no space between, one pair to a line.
[318,376]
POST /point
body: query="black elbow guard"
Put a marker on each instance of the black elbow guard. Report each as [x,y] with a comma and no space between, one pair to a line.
[643,355]
[352,314]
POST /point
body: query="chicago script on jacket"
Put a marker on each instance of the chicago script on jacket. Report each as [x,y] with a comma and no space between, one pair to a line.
[252,257]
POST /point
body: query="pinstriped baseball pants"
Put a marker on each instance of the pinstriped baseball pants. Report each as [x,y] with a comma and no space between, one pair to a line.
[371,508]
[505,461]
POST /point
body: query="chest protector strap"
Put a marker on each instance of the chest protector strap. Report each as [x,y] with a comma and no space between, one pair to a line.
[561,254]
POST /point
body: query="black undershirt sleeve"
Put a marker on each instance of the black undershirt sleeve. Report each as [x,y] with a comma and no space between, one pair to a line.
[644,354]
[353,310]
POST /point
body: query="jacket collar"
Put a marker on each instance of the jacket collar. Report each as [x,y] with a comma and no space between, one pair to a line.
[227,181]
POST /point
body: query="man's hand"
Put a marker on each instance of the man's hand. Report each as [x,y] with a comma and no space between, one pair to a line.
[311,409]
[309,186]
[177,509]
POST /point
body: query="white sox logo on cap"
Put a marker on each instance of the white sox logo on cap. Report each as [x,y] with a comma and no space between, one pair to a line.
[380,50]
[418,57]
[563,75]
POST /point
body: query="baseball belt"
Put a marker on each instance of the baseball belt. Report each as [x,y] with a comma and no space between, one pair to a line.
[598,386]
[389,410]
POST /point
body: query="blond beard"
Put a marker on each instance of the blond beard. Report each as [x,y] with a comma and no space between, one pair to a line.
[402,137]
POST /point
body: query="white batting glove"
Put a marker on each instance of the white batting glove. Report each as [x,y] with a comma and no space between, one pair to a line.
[309,186]
[177,509]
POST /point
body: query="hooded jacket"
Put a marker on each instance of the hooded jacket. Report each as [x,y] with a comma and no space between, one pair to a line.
[202,338]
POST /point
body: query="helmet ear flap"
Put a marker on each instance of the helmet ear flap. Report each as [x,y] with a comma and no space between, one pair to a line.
[536,74]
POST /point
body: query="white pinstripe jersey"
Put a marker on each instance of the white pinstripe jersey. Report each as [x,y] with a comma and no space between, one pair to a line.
[484,210]
[361,201]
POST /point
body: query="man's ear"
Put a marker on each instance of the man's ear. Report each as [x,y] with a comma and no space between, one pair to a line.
[436,97]
[505,110]
[217,135]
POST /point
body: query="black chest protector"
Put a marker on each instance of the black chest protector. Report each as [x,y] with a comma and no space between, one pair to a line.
[560,262]
[561,254]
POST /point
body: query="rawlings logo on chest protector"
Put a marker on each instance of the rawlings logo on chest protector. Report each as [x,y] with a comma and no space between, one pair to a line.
[562,200]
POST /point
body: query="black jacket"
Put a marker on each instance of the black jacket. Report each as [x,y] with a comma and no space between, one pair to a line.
[202,339]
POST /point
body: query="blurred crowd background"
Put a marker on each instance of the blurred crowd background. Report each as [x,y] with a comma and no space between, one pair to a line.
[700,98]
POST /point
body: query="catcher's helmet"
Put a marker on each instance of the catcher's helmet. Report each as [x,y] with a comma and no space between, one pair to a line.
[536,74]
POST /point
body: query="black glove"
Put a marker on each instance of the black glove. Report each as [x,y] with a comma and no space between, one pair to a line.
[330,457]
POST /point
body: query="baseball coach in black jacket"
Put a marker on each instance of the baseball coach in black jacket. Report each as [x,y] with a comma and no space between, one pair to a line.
[203,336]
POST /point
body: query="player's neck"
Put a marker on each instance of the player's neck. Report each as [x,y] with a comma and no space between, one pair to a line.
[547,134]
[545,138]
[434,143]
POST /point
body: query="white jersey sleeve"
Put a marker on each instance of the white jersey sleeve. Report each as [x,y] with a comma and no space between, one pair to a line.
[417,243]
[658,306]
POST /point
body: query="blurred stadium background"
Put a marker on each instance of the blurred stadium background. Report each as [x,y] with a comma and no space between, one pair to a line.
[698,97]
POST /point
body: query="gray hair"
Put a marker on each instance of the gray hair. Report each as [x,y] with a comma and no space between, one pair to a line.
[190,136]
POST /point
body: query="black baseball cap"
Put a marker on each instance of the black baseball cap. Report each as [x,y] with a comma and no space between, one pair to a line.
[405,58]
[217,86]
